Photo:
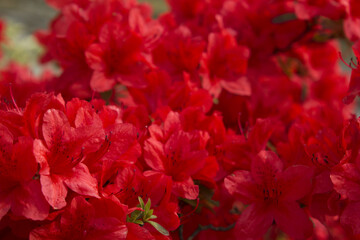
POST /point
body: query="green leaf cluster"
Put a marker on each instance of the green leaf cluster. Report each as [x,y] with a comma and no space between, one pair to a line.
[144,215]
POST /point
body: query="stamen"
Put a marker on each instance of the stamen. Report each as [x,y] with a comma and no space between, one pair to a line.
[239,124]
[12,98]
[192,211]
[348,64]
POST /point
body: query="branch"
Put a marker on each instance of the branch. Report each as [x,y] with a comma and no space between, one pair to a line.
[211,227]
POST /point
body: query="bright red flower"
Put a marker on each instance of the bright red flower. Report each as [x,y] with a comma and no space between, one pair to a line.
[175,155]
[60,156]
[272,193]
[179,51]
[117,58]
[225,65]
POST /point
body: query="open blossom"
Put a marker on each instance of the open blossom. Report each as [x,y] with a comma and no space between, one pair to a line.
[176,156]
[117,58]
[60,156]
[226,64]
[272,193]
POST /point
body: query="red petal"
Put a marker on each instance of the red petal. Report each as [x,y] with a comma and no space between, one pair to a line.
[23,156]
[242,185]
[54,190]
[351,216]
[124,146]
[240,87]
[47,232]
[94,57]
[5,205]
[172,124]
[101,83]
[296,182]
[36,107]
[107,229]
[346,180]
[136,232]
[254,221]
[80,181]
[55,126]
[28,201]
[293,220]
[154,154]
[266,165]
[6,140]
[186,189]
[156,185]
[40,152]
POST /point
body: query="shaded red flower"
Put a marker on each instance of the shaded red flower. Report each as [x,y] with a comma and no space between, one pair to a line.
[84,220]
[272,193]
[346,180]
[21,83]
[19,190]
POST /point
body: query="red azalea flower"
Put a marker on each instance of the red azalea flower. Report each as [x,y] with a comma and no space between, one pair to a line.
[225,65]
[272,193]
[179,51]
[175,155]
[117,58]
[60,156]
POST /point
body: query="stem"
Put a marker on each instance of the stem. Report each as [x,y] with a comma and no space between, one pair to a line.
[181,232]
[211,227]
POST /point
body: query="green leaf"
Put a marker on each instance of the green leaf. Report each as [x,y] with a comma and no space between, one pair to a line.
[139,222]
[135,215]
[147,206]
[152,217]
[148,214]
[141,201]
[160,228]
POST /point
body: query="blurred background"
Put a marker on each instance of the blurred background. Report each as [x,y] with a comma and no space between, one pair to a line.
[23,17]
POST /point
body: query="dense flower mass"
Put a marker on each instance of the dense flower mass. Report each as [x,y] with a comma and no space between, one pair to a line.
[220,119]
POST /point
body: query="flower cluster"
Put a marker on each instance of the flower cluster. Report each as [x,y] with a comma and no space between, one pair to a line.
[220,119]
